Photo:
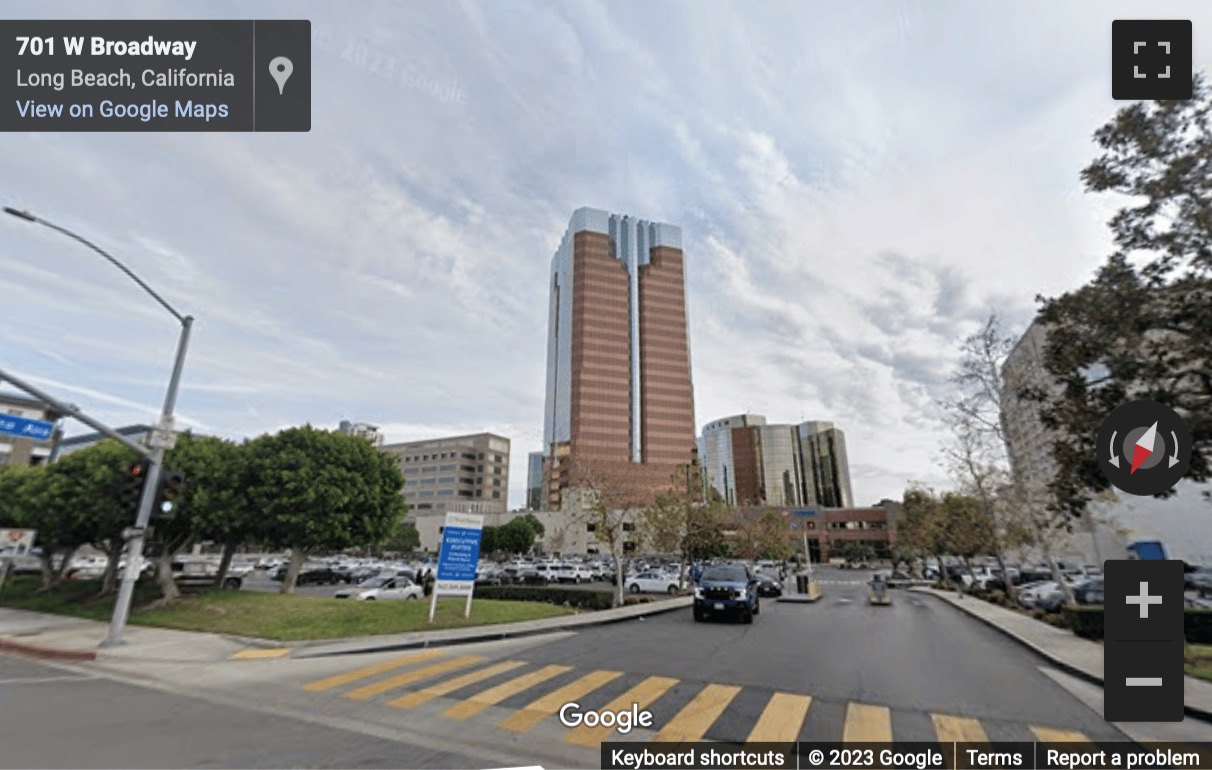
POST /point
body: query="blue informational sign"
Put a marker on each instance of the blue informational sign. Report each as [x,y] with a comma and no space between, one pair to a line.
[22,427]
[460,553]
[805,511]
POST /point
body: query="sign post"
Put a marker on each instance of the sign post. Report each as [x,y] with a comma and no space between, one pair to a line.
[458,559]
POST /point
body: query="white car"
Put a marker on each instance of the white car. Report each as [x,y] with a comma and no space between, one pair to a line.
[653,583]
[382,588]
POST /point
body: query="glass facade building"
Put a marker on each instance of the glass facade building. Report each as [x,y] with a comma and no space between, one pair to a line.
[752,463]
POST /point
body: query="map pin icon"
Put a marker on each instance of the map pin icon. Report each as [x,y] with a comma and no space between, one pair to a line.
[280,68]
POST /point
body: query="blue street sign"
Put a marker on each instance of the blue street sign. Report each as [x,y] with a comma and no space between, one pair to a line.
[460,553]
[805,511]
[22,427]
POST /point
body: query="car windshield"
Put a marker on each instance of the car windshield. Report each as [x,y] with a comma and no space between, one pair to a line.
[374,582]
[726,574]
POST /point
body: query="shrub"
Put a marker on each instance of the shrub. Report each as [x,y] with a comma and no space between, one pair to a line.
[1198,626]
[1086,622]
[567,597]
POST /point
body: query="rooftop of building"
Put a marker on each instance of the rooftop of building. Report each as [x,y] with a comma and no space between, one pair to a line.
[444,441]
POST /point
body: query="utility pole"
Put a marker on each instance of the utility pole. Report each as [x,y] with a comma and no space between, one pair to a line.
[162,438]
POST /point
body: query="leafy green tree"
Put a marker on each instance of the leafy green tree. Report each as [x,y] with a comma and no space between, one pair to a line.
[534,523]
[405,538]
[921,527]
[82,501]
[321,491]
[1143,327]
[213,504]
[514,537]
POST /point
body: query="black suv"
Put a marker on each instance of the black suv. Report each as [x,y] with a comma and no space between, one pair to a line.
[727,589]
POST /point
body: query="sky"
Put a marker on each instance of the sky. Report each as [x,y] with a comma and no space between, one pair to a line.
[860,185]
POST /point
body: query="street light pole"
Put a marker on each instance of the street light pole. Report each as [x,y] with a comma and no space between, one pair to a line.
[134,561]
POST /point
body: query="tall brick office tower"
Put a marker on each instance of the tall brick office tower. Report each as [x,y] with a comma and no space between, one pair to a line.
[619,392]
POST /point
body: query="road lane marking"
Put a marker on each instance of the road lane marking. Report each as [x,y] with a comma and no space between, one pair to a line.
[529,716]
[867,723]
[349,677]
[638,697]
[261,653]
[696,717]
[1052,735]
[951,729]
[450,685]
[494,695]
[408,677]
[782,719]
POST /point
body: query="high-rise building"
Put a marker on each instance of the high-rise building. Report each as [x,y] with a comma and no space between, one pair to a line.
[534,481]
[362,429]
[752,463]
[618,354]
[465,474]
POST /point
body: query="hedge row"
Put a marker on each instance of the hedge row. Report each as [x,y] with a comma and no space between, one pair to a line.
[1088,622]
[567,597]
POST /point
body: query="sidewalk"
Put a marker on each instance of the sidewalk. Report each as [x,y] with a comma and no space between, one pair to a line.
[1078,656]
[68,639]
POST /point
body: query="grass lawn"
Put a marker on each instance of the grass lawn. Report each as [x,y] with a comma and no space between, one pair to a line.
[286,618]
[1199,661]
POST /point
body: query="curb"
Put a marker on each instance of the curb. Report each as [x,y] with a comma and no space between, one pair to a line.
[46,653]
[486,635]
[1059,662]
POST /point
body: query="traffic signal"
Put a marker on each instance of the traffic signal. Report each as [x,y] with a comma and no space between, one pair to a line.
[168,500]
[130,489]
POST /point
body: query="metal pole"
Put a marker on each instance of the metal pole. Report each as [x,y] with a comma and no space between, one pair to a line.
[134,560]
[72,411]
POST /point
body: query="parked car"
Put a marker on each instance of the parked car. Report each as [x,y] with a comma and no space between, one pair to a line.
[652,583]
[727,589]
[768,586]
[382,588]
[1089,592]
[319,576]
[1200,580]
[1043,595]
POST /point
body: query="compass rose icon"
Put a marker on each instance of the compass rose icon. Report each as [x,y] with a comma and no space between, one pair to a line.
[1144,448]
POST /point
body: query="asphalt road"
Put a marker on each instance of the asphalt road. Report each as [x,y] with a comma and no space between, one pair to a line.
[840,669]
[57,718]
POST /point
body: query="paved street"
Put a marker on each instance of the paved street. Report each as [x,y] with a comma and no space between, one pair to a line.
[836,670]
[55,718]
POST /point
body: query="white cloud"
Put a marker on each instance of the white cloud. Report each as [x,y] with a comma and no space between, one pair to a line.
[859,185]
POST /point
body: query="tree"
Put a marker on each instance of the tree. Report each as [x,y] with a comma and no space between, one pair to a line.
[534,523]
[609,496]
[515,537]
[921,526]
[317,490]
[982,455]
[1142,328]
[81,501]
[213,504]
[405,538]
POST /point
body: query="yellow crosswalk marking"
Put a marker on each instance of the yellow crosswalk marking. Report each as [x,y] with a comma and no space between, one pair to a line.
[368,671]
[1052,735]
[951,729]
[494,695]
[408,677]
[261,653]
[640,696]
[782,719]
[696,717]
[526,718]
[867,723]
[450,685]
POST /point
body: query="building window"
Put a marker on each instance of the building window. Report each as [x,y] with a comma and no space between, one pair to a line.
[430,469]
[448,467]
[480,456]
[496,495]
[479,493]
[445,493]
[591,527]
[496,482]
[446,480]
[496,471]
[628,526]
[467,468]
[498,458]
[466,480]
[464,493]
[426,493]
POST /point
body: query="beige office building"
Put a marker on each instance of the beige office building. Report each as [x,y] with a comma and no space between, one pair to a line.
[466,474]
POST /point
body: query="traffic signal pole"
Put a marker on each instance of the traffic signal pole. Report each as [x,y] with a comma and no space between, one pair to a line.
[151,486]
